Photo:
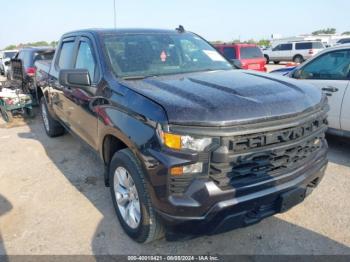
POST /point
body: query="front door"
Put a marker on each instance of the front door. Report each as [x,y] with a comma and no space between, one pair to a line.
[330,73]
[82,117]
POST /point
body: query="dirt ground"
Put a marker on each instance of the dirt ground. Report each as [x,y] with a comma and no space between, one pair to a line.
[53,201]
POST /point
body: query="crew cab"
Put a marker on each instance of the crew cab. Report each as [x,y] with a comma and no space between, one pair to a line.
[329,71]
[249,56]
[190,144]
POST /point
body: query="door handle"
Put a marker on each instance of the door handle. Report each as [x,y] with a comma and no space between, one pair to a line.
[330,89]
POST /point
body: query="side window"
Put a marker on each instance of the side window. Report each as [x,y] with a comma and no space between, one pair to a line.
[85,60]
[286,47]
[229,53]
[301,46]
[66,54]
[332,66]
[277,48]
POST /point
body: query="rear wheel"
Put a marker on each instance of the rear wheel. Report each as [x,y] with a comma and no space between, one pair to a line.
[6,115]
[131,200]
[298,59]
[52,127]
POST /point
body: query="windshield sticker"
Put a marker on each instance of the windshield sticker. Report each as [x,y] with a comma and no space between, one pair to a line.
[213,55]
[163,56]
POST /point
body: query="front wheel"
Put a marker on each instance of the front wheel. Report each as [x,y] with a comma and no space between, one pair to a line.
[276,62]
[267,59]
[131,200]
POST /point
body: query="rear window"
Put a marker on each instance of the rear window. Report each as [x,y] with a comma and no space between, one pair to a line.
[26,57]
[9,54]
[45,55]
[344,41]
[309,45]
[230,53]
[251,52]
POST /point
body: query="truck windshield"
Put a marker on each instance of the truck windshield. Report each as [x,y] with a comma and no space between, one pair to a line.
[143,55]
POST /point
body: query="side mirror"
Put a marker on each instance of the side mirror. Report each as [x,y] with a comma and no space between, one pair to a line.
[296,73]
[236,63]
[79,78]
[7,63]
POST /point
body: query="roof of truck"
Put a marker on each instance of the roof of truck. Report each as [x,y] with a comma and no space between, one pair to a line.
[123,31]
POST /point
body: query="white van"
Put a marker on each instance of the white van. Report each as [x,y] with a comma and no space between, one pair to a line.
[297,52]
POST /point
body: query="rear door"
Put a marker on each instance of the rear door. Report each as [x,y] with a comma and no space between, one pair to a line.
[59,93]
[330,73]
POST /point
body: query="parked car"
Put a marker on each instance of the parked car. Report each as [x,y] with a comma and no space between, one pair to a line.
[28,57]
[329,70]
[343,41]
[5,57]
[190,145]
[250,56]
[297,52]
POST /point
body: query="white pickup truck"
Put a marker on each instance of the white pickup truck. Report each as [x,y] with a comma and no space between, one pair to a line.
[329,70]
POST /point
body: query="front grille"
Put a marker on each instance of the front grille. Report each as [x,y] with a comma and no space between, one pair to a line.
[259,156]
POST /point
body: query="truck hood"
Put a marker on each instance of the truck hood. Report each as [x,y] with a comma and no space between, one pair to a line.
[229,97]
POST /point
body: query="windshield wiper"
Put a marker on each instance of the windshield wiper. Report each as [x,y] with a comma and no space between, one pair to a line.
[138,77]
[134,77]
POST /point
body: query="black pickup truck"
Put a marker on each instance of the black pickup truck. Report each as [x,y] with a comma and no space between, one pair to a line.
[190,144]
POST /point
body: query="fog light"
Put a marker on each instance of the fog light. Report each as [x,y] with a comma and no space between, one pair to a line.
[194,168]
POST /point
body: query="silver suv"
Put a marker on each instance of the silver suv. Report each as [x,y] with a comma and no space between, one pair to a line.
[293,51]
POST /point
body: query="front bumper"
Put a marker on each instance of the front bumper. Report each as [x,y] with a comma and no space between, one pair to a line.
[229,210]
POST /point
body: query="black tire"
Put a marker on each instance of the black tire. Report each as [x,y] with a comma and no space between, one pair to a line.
[29,112]
[298,59]
[149,227]
[52,127]
[267,59]
[6,115]
[276,62]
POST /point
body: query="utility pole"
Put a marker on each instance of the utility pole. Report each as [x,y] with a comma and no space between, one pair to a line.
[115,15]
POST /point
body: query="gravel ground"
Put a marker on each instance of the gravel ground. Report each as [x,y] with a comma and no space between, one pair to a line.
[53,201]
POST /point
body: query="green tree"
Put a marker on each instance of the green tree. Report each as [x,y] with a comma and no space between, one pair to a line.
[53,43]
[264,42]
[10,47]
[39,43]
[325,31]
[250,41]
[346,33]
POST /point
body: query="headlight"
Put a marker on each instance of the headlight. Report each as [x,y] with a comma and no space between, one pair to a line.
[197,144]
[184,142]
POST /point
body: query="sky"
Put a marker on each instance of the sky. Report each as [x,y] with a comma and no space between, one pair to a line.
[36,20]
